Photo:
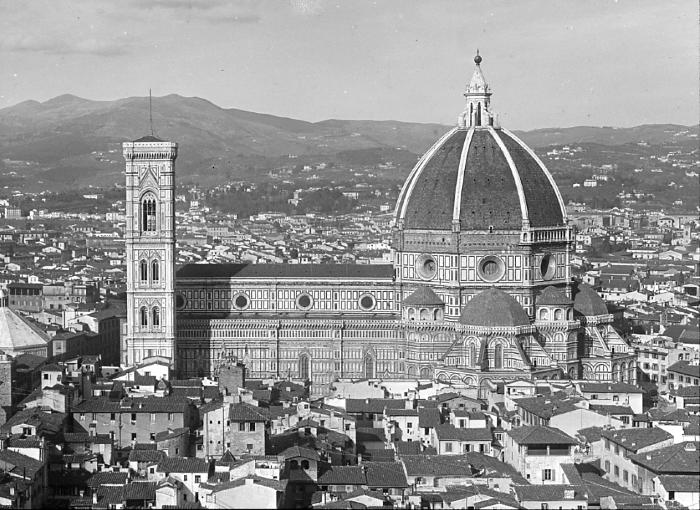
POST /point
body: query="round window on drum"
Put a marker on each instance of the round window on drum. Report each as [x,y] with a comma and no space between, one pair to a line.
[548,266]
[304,301]
[491,268]
[367,302]
[241,302]
[426,267]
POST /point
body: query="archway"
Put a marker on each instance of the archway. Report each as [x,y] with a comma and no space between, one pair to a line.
[369,366]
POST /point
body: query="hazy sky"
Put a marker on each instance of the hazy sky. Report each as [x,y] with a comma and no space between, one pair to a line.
[549,62]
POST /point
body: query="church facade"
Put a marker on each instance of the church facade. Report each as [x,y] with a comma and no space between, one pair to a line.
[480,287]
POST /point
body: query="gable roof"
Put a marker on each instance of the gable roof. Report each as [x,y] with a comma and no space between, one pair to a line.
[681,458]
[183,465]
[538,435]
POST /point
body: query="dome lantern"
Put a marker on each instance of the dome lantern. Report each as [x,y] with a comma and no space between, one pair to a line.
[478,94]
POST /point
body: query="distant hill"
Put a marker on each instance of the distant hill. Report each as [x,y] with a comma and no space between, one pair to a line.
[69,139]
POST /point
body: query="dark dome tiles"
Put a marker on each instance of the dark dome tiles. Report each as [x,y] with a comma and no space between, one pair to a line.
[494,308]
[541,199]
[431,202]
[489,194]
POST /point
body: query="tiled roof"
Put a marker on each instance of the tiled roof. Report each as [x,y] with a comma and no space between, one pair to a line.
[681,458]
[148,456]
[587,301]
[133,405]
[609,388]
[540,435]
[107,478]
[423,296]
[296,271]
[243,411]
[138,490]
[428,417]
[465,465]
[591,434]
[172,433]
[300,451]
[553,296]
[83,437]
[19,464]
[479,310]
[545,407]
[278,485]
[635,439]
[368,434]
[687,391]
[183,465]
[685,368]
[681,483]
[51,423]
[611,409]
[342,475]
[385,475]
[549,492]
[402,412]
[448,432]
[372,405]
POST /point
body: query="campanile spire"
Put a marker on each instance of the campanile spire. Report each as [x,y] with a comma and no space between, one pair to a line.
[478,95]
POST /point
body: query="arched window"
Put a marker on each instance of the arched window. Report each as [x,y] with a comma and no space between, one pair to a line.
[411,314]
[305,464]
[436,314]
[544,314]
[472,356]
[294,464]
[155,271]
[424,314]
[155,316]
[558,314]
[304,368]
[369,367]
[144,316]
[148,213]
[144,271]
[498,356]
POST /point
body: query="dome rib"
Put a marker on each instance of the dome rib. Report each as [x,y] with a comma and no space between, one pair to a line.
[456,211]
[543,169]
[407,189]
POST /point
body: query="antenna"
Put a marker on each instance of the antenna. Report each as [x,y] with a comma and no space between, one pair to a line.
[150,110]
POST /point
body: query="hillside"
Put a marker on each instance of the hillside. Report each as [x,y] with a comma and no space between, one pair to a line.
[69,140]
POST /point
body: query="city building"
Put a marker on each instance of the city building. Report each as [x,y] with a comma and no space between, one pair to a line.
[479,226]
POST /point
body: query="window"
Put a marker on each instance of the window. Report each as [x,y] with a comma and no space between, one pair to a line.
[671,495]
[144,316]
[251,426]
[547,474]
[148,213]
[305,464]
[46,376]
[155,276]
[184,478]
[153,417]
[545,506]
[409,425]
[197,478]
[112,417]
[133,436]
[156,316]
[448,447]
[607,466]
[498,356]
[144,271]
[241,427]
[617,471]
[625,476]
[82,416]
[133,417]
[249,447]
[153,436]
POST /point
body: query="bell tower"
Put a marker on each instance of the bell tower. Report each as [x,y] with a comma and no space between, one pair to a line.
[150,249]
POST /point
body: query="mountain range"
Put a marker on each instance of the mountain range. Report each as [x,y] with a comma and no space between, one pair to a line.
[69,139]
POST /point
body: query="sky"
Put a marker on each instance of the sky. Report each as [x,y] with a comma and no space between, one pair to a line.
[550,63]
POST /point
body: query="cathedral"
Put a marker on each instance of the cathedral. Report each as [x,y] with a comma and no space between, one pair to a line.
[480,287]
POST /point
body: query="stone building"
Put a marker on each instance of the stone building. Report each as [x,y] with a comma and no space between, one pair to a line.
[480,287]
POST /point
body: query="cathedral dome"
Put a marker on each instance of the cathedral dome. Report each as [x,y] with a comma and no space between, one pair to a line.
[494,308]
[479,177]
[587,301]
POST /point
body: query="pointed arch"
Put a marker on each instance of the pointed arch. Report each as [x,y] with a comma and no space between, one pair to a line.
[143,270]
[155,270]
[155,316]
[304,367]
[369,366]
[144,316]
[148,212]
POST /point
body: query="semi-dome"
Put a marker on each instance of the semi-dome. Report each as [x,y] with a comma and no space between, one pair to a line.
[587,301]
[479,177]
[494,308]
[553,296]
